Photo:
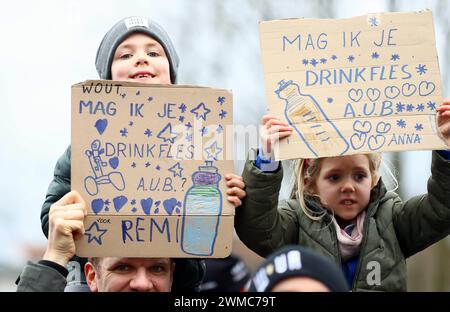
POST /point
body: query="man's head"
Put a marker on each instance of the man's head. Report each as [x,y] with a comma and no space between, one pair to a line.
[110,274]
[145,54]
[294,268]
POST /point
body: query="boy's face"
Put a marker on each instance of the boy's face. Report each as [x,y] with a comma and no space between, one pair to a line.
[344,185]
[140,58]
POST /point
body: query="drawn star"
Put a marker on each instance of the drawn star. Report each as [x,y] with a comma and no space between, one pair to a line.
[401,123]
[373,21]
[133,165]
[409,107]
[418,127]
[329,100]
[203,130]
[219,129]
[166,134]
[222,114]
[148,132]
[158,167]
[189,137]
[138,92]
[213,151]
[421,69]
[133,202]
[176,169]
[147,164]
[221,100]
[123,95]
[431,105]
[420,107]
[130,124]
[181,118]
[375,55]
[182,108]
[334,57]
[313,62]
[351,58]
[400,107]
[201,111]
[188,125]
[124,132]
[305,62]
[107,202]
[395,57]
[150,99]
[93,234]
[323,60]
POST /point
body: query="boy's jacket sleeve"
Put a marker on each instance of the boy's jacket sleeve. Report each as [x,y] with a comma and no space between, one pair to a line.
[425,219]
[59,187]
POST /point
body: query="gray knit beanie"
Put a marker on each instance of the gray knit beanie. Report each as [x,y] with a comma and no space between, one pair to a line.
[124,28]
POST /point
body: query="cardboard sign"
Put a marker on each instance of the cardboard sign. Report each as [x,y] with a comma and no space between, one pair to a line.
[150,161]
[357,85]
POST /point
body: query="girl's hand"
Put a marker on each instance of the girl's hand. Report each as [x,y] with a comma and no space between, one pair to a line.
[443,121]
[272,130]
[235,190]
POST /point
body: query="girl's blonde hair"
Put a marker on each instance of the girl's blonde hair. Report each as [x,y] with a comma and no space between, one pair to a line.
[308,169]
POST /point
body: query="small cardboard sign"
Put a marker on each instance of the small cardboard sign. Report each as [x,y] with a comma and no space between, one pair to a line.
[356,85]
[150,160]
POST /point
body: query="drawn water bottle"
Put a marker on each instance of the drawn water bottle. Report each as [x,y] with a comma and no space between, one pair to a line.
[201,212]
[309,120]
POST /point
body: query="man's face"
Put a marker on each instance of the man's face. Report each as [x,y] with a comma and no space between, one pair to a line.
[141,58]
[130,274]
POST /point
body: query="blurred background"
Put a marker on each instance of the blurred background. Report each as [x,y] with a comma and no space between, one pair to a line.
[49,45]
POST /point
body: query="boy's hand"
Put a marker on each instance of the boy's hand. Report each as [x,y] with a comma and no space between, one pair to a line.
[235,190]
[272,130]
[65,226]
[443,121]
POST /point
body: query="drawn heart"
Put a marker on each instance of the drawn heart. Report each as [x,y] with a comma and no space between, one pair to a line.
[408,89]
[358,140]
[101,125]
[426,88]
[383,127]
[391,92]
[119,202]
[355,94]
[146,205]
[376,142]
[362,127]
[97,205]
[373,94]
[114,162]
[169,205]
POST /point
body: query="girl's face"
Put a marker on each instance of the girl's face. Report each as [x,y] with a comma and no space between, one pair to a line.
[140,58]
[344,184]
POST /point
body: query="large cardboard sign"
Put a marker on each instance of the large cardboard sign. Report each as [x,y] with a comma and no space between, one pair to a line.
[150,161]
[357,85]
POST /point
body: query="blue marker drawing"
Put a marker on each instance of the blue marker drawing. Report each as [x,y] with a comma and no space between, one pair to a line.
[221,100]
[408,89]
[431,106]
[373,21]
[166,134]
[305,62]
[375,55]
[418,127]
[170,204]
[305,115]
[426,88]
[213,151]
[146,205]
[97,205]
[376,142]
[201,111]
[313,62]
[93,233]
[395,57]
[101,125]
[119,202]
[421,69]
[201,212]
[148,132]
[91,183]
[176,169]
[373,94]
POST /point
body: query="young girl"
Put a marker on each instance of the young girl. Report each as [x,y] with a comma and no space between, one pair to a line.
[341,208]
[135,49]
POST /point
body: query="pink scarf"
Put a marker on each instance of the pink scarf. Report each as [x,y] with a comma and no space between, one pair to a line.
[349,245]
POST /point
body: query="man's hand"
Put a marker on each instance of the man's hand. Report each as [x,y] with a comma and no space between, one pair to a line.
[65,226]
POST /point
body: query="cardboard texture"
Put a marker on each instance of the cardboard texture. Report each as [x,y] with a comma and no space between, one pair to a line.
[150,161]
[356,85]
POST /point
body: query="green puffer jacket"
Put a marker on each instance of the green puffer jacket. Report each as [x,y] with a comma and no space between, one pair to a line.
[393,230]
[188,274]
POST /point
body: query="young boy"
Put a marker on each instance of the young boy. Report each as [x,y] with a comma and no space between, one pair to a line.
[134,49]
